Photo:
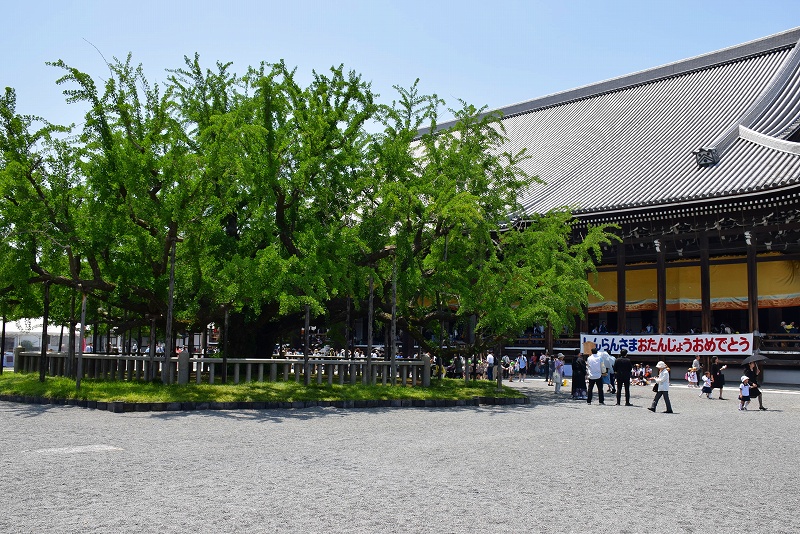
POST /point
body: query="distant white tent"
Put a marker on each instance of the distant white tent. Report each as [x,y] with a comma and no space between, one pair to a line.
[28,333]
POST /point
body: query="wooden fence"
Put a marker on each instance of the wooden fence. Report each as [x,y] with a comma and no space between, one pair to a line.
[184,369]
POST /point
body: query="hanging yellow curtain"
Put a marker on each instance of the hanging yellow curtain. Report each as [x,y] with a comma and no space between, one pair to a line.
[778,286]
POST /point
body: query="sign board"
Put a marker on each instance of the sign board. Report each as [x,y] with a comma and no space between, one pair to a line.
[726,345]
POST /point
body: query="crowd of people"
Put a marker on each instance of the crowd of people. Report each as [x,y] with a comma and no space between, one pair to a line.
[619,373]
[599,373]
[520,368]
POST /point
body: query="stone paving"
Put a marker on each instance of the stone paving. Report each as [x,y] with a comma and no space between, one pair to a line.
[554,465]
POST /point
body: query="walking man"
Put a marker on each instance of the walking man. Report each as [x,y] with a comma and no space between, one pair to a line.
[522,361]
[622,371]
[594,368]
[662,385]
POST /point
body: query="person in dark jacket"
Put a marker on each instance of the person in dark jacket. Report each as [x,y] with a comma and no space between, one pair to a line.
[622,372]
[579,378]
[717,378]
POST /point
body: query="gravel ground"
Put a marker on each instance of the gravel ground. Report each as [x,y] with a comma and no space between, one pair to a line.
[556,465]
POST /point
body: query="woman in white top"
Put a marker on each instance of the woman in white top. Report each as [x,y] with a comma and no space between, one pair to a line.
[558,372]
[662,385]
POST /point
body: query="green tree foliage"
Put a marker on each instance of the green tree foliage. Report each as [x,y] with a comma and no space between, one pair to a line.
[444,203]
[39,192]
[282,164]
[278,197]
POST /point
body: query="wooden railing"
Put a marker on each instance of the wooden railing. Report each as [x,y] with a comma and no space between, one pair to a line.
[537,343]
[184,369]
[787,343]
[783,350]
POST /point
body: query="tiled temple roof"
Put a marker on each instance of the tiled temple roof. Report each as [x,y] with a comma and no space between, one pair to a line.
[631,143]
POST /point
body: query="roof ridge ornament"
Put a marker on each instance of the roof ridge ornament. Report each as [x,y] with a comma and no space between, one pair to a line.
[706,156]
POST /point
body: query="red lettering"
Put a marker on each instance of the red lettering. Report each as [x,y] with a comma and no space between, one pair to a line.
[745,344]
[674,345]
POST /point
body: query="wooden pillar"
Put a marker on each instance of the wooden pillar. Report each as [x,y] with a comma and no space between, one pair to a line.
[622,321]
[752,282]
[705,286]
[661,286]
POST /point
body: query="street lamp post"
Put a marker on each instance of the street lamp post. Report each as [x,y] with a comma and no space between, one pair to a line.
[306,346]
[152,355]
[79,372]
[226,335]
[393,346]
[3,343]
[168,334]
[45,337]
[370,313]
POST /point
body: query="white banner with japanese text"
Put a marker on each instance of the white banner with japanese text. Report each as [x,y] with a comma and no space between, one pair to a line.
[663,345]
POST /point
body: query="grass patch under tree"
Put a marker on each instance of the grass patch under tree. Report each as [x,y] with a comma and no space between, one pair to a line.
[109,390]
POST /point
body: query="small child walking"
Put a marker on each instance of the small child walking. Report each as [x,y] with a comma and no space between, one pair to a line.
[744,393]
[691,377]
[706,385]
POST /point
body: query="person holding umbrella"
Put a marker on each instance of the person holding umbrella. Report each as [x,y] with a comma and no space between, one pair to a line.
[753,372]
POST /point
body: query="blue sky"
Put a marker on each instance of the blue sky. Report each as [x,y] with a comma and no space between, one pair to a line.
[492,53]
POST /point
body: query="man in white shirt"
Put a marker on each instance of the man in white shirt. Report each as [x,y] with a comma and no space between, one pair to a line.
[594,371]
[490,366]
[522,361]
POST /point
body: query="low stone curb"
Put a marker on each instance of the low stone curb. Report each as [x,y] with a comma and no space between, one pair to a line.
[123,407]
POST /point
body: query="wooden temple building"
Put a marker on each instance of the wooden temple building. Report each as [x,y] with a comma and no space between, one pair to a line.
[698,162]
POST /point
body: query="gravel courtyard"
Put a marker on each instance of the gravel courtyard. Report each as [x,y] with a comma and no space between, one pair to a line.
[555,465]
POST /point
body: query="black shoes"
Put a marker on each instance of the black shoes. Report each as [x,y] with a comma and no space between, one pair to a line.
[652,409]
[762,408]
[628,404]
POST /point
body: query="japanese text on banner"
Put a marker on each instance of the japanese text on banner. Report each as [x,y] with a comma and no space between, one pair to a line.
[734,345]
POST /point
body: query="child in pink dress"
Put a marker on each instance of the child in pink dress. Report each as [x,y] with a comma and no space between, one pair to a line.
[691,377]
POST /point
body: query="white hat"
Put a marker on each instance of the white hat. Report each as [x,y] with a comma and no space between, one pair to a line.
[745,378]
[661,365]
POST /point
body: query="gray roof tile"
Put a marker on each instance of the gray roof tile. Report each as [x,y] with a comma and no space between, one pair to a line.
[628,142]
